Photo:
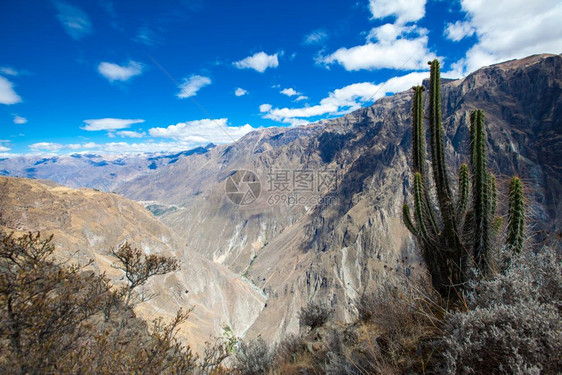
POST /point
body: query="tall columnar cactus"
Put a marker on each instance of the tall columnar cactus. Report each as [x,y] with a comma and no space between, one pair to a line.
[457,233]
[516,216]
[481,191]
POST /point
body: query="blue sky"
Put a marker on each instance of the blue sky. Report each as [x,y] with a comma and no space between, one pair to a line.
[109,76]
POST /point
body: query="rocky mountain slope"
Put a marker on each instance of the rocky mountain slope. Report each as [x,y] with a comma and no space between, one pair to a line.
[86,224]
[331,243]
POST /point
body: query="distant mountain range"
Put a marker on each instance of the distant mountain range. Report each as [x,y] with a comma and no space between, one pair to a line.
[102,172]
[327,223]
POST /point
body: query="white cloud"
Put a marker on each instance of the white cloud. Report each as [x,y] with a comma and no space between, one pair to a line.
[301,97]
[7,93]
[400,54]
[19,120]
[240,92]
[259,62]
[392,46]
[265,107]
[9,71]
[403,10]
[45,146]
[512,29]
[199,132]
[290,92]
[110,148]
[73,19]
[4,148]
[109,124]
[130,134]
[115,72]
[459,30]
[191,85]
[316,37]
[343,100]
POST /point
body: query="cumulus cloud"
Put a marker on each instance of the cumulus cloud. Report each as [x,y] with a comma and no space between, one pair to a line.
[301,97]
[19,120]
[259,62]
[392,46]
[198,132]
[265,107]
[459,30]
[511,30]
[290,92]
[399,45]
[316,37]
[7,93]
[191,85]
[240,92]
[403,10]
[45,147]
[130,134]
[402,54]
[109,124]
[73,19]
[343,100]
[115,72]
[4,148]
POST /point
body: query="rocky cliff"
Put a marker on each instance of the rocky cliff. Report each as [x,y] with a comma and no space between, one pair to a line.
[86,224]
[335,242]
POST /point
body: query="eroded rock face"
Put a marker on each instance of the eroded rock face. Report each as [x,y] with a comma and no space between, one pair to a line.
[333,251]
[86,224]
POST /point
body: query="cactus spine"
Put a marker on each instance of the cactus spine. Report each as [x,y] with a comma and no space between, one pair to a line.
[460,234]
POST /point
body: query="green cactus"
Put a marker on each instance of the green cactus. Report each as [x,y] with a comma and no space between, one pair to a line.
[461,232]
[516,216]
[481,199]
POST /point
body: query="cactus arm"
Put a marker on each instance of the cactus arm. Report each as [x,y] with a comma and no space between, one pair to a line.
[419,207]
[436,137]
[464,190]
[493,195]
[480,191]
[408,220]
[418,154]
[418,144]
[516,216]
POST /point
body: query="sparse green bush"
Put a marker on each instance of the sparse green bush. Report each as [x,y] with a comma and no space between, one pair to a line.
[314,315]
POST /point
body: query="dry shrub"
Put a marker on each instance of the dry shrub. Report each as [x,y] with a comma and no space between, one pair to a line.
[253,358]
[57,319]
[513,324]
[314,315]
[395,333]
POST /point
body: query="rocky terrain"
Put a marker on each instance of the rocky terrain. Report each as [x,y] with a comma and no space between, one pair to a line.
[86,224]
[308,236]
